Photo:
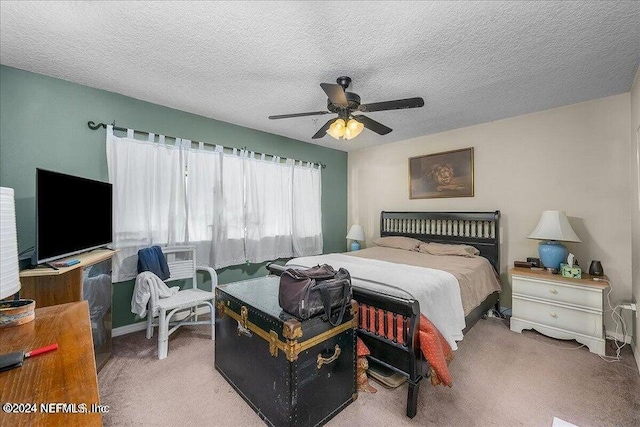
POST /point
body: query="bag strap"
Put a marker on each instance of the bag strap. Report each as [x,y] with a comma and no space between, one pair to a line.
[326,302]
[322,272]
[318,272]
[296,274]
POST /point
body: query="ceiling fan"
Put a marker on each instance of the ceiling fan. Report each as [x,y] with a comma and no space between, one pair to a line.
[344,103]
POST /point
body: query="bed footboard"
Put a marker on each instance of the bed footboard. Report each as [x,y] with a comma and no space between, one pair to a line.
[389,327]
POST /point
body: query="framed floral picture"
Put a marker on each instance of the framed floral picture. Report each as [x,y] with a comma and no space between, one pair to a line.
[446,174]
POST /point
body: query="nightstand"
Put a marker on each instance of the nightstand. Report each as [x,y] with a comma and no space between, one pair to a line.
[559,307]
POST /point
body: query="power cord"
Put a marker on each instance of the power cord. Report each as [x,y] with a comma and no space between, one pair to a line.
[622,323]
[495,313]
[27,250]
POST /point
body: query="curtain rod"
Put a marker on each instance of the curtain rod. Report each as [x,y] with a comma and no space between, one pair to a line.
[95,126]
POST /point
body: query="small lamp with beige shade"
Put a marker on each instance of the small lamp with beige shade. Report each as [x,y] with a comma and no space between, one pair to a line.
[552,229]
[356,234]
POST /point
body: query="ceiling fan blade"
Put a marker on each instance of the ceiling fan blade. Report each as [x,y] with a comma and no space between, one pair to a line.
[323,130]
[335,93]
[312,113]
[398,104]
[371,124]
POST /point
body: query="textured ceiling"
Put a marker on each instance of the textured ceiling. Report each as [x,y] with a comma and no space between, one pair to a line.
[242,61]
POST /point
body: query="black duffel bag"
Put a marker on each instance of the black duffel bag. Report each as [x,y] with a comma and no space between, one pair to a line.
[308,292]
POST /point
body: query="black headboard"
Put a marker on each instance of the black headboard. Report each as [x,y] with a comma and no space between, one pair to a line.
[478,229]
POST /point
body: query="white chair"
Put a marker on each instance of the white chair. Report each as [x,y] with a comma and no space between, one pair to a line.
[182,265]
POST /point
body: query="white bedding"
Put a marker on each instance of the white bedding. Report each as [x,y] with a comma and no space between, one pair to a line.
[437,291]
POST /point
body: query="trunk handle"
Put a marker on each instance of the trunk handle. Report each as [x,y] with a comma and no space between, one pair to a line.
[327,360]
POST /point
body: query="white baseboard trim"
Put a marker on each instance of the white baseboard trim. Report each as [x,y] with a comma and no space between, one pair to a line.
[141,326]
[619,337]
[128,329]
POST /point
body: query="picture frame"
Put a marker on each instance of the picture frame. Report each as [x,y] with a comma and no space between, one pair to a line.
[444,174]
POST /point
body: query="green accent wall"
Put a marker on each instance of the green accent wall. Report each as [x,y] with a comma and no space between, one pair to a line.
[43,123]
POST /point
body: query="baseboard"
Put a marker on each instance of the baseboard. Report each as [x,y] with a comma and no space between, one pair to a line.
[128,329]
[619,337]
[141,326]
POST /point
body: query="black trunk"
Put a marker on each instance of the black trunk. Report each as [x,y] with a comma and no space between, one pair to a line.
[292,373]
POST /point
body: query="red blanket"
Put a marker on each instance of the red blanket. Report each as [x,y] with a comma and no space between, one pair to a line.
[431,342]
[437,351]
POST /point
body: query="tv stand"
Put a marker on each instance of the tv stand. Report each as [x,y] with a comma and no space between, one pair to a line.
[89,280]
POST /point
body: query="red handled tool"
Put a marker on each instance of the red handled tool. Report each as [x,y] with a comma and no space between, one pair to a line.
[41,350]
[15,359]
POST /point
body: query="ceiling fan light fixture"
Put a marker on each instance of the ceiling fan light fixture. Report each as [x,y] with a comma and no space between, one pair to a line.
[343,103]
[353,129]
[337,129]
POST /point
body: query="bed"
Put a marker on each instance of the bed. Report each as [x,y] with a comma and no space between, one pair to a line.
[390,285]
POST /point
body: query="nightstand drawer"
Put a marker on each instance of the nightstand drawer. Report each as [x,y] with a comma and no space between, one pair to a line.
[575,320]
[558,292]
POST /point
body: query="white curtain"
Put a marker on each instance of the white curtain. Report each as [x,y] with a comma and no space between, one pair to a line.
[148,196]
[268,201]
[215,201]
[203,178]
[307,210]
[234,208]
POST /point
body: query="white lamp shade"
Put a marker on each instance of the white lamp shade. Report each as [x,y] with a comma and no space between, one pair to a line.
[9,268]
[554,225]
[356,232]
[337,129]
[353,129]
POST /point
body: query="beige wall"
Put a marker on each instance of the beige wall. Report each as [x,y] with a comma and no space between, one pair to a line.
[573,158]
[635,203]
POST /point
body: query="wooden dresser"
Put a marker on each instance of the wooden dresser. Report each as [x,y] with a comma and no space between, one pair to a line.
[559,307]
[64,376]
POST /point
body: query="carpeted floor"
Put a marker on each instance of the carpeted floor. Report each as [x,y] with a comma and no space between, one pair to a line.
[500,378]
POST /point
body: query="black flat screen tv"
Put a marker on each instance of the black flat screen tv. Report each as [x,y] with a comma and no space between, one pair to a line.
[73,215]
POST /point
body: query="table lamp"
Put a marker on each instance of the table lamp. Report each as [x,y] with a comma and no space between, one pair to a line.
[356,233]
[552,229]
[17,311]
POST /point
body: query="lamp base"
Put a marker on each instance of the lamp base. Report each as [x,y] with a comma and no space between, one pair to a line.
[16,312]
[552,254]
[355,246]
